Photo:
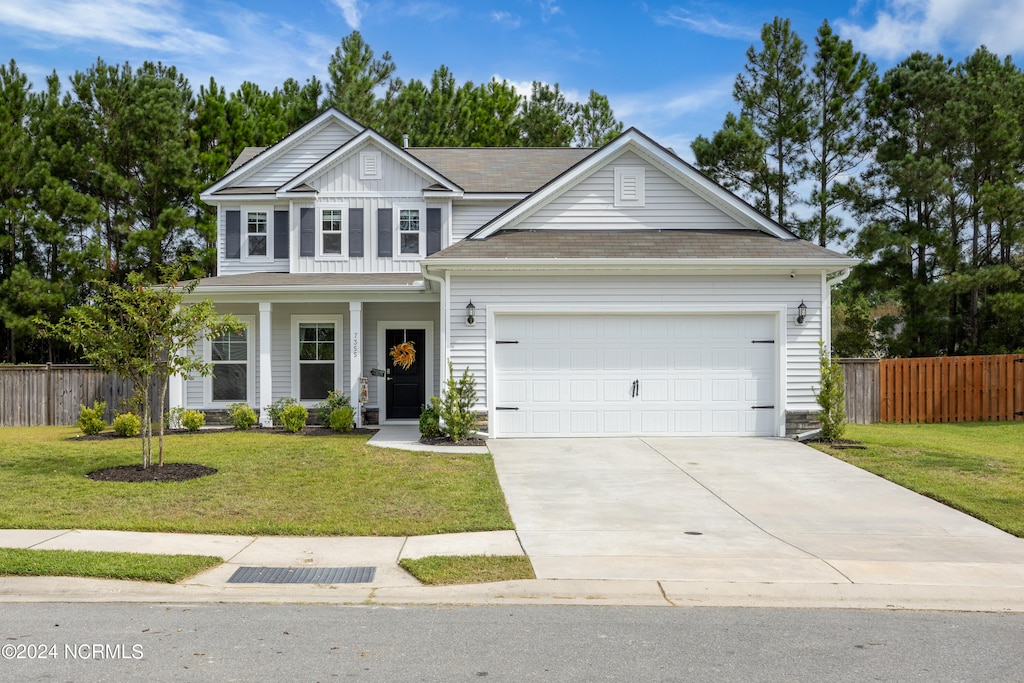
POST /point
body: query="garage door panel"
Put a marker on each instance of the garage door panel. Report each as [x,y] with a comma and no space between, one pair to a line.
[635,374]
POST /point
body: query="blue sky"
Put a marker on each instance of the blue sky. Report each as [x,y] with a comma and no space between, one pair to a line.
[666,66]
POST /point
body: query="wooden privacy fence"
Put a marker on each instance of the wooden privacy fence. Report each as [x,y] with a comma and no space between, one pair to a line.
[943,389]
[33,395]
[952,389]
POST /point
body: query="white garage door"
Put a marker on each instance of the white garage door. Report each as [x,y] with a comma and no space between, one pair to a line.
[608,375]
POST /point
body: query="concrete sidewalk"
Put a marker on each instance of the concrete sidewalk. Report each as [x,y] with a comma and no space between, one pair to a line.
[392,585]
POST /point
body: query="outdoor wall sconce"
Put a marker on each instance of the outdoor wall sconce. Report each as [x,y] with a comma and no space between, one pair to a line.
[470,314]
[801,313]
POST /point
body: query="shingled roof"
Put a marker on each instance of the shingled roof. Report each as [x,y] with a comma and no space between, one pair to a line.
[633,244]
[500,169]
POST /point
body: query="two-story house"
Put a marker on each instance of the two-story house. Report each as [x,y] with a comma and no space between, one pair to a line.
[611,291]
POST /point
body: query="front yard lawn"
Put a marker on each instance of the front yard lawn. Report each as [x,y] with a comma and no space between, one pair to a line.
[977,468]
[266,484]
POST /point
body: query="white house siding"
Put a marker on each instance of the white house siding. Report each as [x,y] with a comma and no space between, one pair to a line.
[468,345]
[370,262]
[591,204]
[301,155]
[397,175]
[373,313]
[467,216]
[227,266]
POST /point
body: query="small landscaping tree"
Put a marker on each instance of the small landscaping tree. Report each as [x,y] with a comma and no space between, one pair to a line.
[142,334]
[456,407]
[831,397]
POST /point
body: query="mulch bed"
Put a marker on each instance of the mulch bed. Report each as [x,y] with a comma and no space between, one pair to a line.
[842,444]
[445,441]
[308,430]
[171,471]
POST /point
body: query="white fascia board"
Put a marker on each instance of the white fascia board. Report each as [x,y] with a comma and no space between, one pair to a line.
[442,194]
[798,266]
[353,145]
[215,200]
[271,153]
[391,293]
[682,172]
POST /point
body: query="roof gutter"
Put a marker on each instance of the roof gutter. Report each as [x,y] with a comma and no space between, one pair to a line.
[810,265]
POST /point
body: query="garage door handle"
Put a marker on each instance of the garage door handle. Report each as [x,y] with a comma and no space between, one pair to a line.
[762,407]
[506,408]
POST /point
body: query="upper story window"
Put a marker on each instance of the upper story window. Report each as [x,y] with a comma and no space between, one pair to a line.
[331,229]
[256,233]
[409,231]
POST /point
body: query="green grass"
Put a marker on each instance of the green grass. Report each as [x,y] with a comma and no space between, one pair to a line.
[267,484]
[103,565]
[439,570]
[977,468]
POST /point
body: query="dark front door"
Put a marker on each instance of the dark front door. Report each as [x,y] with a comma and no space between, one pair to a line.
[406,387]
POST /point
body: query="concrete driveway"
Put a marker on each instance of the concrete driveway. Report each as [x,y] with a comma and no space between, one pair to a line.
[735,510]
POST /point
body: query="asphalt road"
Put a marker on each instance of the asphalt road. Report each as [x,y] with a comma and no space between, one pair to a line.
[104,642]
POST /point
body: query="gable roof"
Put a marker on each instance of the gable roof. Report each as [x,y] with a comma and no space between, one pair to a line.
[260,157]
[369,135]
[650,151]
[517,170]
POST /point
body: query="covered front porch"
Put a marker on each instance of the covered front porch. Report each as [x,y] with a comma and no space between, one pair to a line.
[303,339]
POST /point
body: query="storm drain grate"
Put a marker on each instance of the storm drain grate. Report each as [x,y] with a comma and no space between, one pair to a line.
[303,575]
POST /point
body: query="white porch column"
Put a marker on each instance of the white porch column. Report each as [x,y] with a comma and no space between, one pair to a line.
[266,388]
[175,391]
[355,327]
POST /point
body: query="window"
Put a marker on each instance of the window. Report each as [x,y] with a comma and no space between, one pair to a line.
[410,231]
[332,224]
[256,233]
[316,364]
[229,355]
[330,231]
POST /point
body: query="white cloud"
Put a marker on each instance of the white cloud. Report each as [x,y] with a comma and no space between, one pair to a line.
[549,8]
[152,24]
[506,19]
[350,10]
[666,104]
[706,22]
[903,26]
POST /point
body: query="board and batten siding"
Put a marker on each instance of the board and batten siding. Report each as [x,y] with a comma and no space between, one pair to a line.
[300,155]
[590,204]
[468,216]
[468,345]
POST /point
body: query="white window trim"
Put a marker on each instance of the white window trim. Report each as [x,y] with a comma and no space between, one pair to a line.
[622,172]
[269,211]
[249,321]
[339,352]
[396,233]
[331,206]
[363,173]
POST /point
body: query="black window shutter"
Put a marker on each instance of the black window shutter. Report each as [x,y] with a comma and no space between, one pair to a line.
[433,231]
[307,232]
[384,232]
[233,241]
[280,234]
[355,232]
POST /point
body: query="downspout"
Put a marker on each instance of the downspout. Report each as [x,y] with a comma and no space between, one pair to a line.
[832,283]
[442,283]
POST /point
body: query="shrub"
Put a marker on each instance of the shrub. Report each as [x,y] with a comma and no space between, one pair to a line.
[456,406]
[127,424]
[341,419]
[277,408]
[90,420]
[242,416]
[831,397]
[430,421]
[326,408]
[192,420]
[294,417]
